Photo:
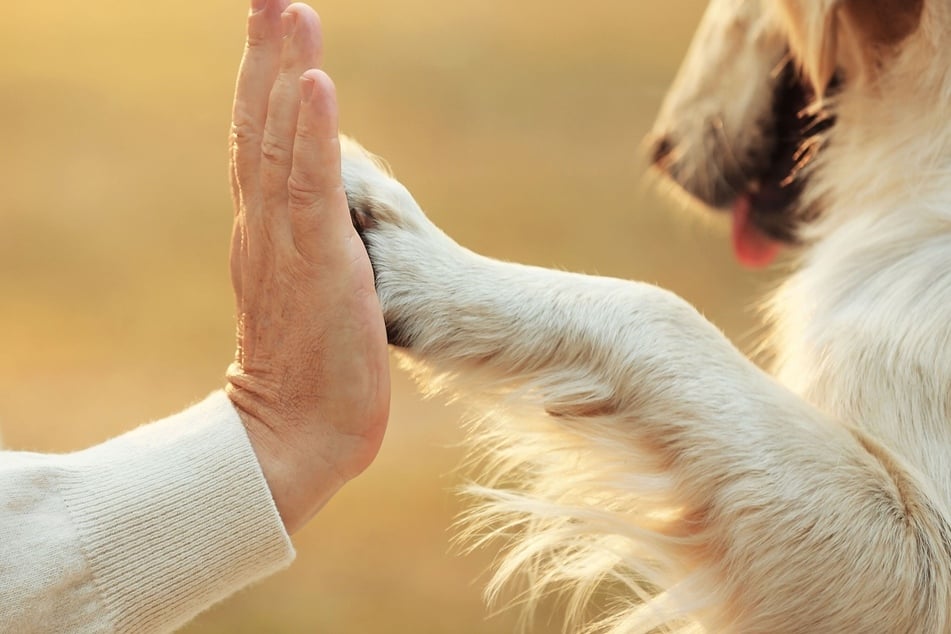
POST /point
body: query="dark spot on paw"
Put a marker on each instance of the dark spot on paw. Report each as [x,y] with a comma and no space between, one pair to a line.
[362,222]
[362,217]
[397,335]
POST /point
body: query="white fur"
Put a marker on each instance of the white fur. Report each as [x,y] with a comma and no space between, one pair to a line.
[631,451]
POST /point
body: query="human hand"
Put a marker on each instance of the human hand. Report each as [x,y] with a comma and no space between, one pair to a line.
[311,373]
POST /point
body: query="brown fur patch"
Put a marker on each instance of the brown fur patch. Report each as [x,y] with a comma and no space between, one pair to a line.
[884,22]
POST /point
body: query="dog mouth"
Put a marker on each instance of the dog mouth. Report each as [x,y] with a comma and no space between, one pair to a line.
[764,193]
[767,211]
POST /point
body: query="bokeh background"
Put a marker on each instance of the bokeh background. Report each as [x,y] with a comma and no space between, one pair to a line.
[517,125]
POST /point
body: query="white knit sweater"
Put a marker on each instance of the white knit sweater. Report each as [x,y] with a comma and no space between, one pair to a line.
[138,534]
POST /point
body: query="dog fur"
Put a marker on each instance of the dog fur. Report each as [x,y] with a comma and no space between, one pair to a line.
[630,449]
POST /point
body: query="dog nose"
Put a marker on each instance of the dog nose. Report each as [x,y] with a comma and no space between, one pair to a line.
[661,151]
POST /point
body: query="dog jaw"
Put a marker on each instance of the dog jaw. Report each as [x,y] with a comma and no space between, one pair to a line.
[746,112]
[719,103]
[736,127]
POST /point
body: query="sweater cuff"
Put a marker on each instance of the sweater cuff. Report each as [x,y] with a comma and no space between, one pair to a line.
[175,516]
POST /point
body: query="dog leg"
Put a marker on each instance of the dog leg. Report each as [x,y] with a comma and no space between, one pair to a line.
[634,444]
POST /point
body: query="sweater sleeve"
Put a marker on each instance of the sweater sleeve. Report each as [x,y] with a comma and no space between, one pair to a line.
[138,534]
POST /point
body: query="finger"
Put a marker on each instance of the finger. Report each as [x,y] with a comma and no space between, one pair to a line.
[317,200]
[259,67]
[302,50]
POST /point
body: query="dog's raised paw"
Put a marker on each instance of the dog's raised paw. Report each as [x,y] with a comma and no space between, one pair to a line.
[397,235]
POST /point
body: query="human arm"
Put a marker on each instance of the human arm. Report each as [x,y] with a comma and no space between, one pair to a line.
[311,374]
[145,531]
[140,533]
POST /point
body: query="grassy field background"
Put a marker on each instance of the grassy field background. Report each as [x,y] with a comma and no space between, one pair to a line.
[516,124]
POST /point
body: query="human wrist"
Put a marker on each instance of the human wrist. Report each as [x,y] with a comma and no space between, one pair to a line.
[300,478]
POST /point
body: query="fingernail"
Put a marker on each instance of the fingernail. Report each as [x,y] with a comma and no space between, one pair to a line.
[306,89]
[288,22]
[258,5]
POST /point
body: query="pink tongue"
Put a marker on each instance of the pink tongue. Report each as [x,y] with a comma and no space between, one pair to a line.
[752,248]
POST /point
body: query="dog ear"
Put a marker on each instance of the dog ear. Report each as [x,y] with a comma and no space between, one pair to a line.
[820,31]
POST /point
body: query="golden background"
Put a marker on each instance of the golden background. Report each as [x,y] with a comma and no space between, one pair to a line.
[516,124]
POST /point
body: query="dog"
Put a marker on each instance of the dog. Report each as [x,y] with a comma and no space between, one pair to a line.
[630,451]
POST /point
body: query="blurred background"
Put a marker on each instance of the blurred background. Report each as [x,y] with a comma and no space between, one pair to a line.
[516,124]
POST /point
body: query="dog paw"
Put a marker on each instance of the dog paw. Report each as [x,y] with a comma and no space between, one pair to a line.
[376,198]
[410,256]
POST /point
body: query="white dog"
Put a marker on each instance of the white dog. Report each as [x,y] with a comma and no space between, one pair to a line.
[630,446]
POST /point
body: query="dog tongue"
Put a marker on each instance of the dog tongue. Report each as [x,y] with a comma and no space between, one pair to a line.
[752,248]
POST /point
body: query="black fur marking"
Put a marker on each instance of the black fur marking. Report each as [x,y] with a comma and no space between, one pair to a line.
[775,208]
[363,221]
[397,336]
